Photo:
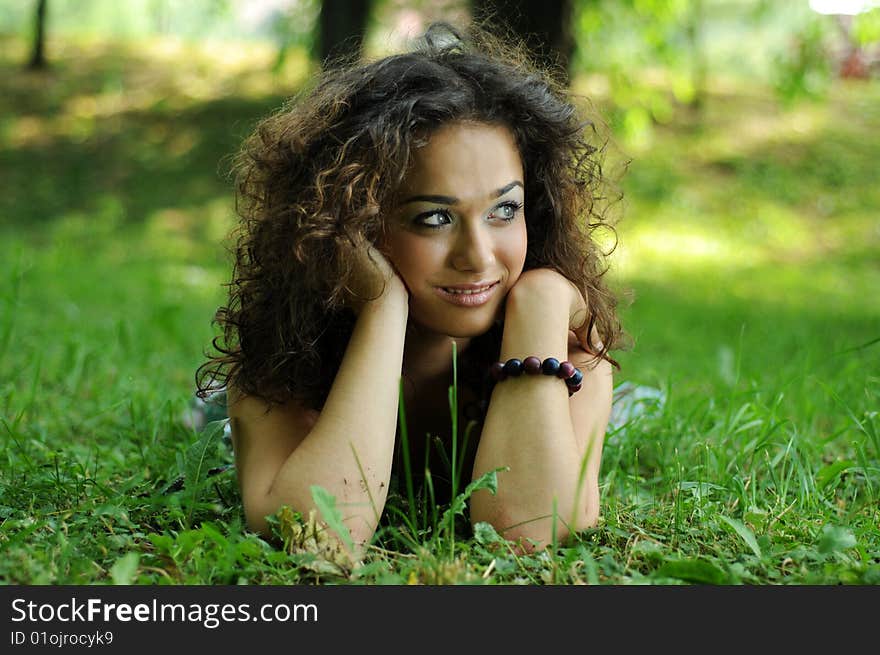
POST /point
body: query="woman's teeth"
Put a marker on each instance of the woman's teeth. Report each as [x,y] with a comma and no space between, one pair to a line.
[468,292]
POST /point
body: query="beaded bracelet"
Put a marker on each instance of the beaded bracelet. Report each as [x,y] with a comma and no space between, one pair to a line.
[513,368]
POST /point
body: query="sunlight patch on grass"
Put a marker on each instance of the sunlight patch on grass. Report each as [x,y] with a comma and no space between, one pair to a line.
[716,268]
[749,132]
[680,247]
[185,233]
[769,255]
[195,278]
[79,227]
[86,86]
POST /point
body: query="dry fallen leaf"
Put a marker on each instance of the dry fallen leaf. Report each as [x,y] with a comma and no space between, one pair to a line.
[311,536]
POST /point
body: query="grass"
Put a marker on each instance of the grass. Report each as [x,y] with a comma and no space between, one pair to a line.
[748,263]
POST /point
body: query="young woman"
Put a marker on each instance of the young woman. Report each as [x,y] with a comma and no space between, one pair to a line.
[397,208]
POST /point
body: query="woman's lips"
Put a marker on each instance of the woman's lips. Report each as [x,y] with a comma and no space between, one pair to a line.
[469,296]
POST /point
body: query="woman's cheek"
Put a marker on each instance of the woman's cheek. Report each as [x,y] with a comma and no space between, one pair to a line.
[515,251]
[412,257]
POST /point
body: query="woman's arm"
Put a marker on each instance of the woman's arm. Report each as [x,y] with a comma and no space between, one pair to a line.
[533,427]
[282,452]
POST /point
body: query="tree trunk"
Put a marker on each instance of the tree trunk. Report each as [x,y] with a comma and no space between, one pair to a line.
[545,25]
[698,54]
[341,28]
[38,54]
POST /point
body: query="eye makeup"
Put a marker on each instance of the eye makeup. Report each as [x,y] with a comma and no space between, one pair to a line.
[419,220]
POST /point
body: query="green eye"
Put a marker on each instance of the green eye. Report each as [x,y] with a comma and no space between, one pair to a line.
[439,216]
[510,210]
[434,218]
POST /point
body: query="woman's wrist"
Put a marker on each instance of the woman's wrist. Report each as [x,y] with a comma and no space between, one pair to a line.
[532,365]
[393,297]
[535,323]
[395,291]
[539,291]
[550,291]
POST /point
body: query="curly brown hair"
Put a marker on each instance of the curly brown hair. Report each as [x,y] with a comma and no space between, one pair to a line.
[318,175]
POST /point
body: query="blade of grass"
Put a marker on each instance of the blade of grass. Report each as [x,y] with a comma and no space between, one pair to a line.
[196,464]
[747,535]
[326,504]
[366,485]
[453,410]
[407,465]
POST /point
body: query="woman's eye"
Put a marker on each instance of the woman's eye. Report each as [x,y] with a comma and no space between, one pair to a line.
[435,218]
[507,211]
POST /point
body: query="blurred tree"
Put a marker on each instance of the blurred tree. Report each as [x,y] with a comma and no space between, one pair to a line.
[805,69]
[160,15]
[547,26]
[38,52]
[341,27]
[651,55]
[694,27]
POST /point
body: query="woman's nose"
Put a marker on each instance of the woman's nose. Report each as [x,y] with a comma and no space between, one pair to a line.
[473,249]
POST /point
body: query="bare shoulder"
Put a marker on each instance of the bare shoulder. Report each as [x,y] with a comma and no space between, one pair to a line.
[247,408]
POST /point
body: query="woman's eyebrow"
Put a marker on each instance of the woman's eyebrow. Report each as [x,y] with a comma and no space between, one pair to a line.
[452,200]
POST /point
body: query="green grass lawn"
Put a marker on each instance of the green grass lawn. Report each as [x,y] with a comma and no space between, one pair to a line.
[749,268]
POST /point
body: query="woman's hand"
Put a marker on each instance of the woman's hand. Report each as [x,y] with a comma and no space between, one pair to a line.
[372,275]
[545,285]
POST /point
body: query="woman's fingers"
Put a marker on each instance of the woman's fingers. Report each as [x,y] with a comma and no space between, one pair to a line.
[371,272]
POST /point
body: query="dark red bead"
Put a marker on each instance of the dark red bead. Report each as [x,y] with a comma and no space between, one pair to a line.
[576,378]
[497,371]
[532,365]
[573,390]
[513,367]
[566,370]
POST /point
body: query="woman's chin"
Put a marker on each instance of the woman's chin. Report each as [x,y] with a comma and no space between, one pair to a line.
[459,329]
[458,322]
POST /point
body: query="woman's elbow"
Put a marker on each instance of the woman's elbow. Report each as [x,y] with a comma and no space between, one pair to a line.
[531,536]
[257,520]
[255,517]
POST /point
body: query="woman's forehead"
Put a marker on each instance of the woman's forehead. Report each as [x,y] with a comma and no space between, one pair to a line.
[468,160]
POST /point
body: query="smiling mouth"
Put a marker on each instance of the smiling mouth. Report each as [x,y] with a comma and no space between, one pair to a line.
[469,296]
[468,291]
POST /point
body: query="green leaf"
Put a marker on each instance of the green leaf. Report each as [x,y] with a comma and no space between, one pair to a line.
[649,549]
[125,568]
[326,504]
[828,473]
[489,481]
[835,539]
[211,532]
[743,531]
[692,570]
[186,542]
[485,534]
[755,515]
[197,463]
[700,489]
[163,543]
[871,575]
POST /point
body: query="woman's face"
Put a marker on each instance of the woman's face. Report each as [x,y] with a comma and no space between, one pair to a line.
[457,236]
